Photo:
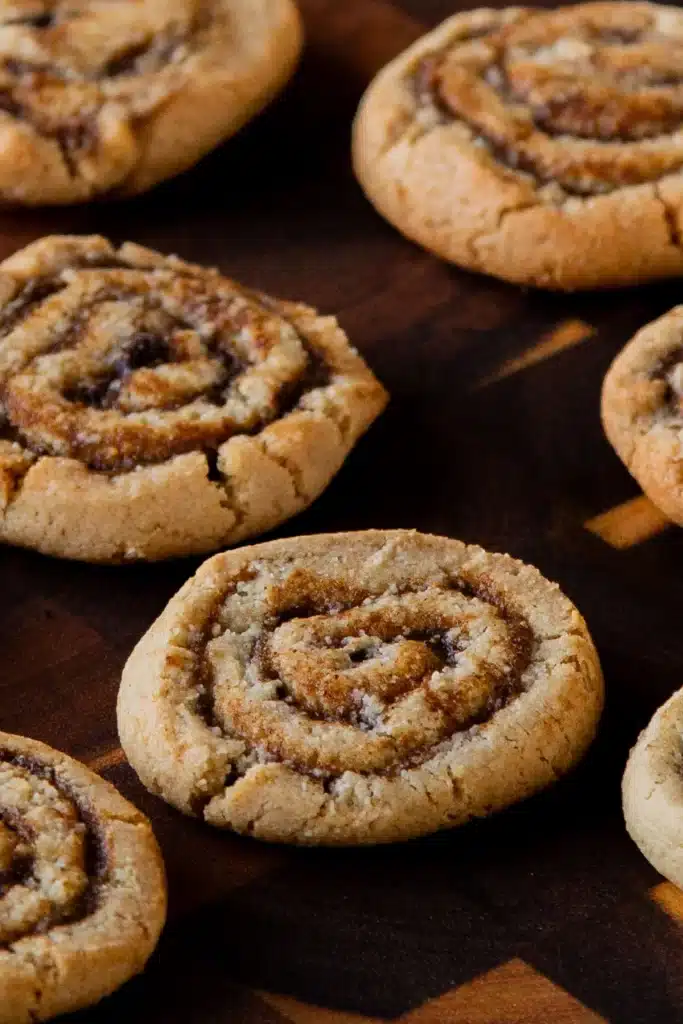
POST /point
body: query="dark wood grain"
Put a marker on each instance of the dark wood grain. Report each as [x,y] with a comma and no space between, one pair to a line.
[546,913]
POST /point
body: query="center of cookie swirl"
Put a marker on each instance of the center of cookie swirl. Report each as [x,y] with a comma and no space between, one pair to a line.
[337,679]
[60,62]
[588,99]
[667,373]
[45,852]
[121,367]
[675,381]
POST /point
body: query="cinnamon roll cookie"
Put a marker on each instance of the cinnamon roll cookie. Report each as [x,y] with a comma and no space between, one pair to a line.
[82,887]
[358,688]
[544,147]
[151,408]
[653,790]
[114,97]
[642,410]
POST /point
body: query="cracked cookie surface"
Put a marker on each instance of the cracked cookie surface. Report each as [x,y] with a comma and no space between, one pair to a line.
[642,410]
[358,688]
[542,147]
[99,97]
[182,410]
[82,886]
[652,790]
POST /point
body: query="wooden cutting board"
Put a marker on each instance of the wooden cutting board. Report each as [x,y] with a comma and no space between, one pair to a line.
[545,914]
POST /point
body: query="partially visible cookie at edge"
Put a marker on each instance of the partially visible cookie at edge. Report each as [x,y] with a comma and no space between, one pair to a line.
[642,410]
[111,98]
[544,147]
[653,790]
[151,408]
[82,885]
[358,688]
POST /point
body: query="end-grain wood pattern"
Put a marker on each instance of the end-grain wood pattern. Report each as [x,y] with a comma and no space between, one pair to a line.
[545,913]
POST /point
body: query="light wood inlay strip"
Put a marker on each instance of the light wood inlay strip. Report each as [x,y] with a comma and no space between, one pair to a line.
[514,993]
[566,335]
[110,759]
[629,524]
[670,899]
[305,1013]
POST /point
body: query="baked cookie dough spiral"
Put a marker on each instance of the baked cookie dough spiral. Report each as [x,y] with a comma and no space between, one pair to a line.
[653,790]
[100,97]
[82,888]
[358,688]
[642,410]
[544,147]
[183,410]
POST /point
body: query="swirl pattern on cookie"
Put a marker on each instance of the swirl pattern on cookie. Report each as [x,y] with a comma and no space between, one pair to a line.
[120,95]
[642,410]
[358,688]
[128,370]
[81,883]
[567,124]
[586,99]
